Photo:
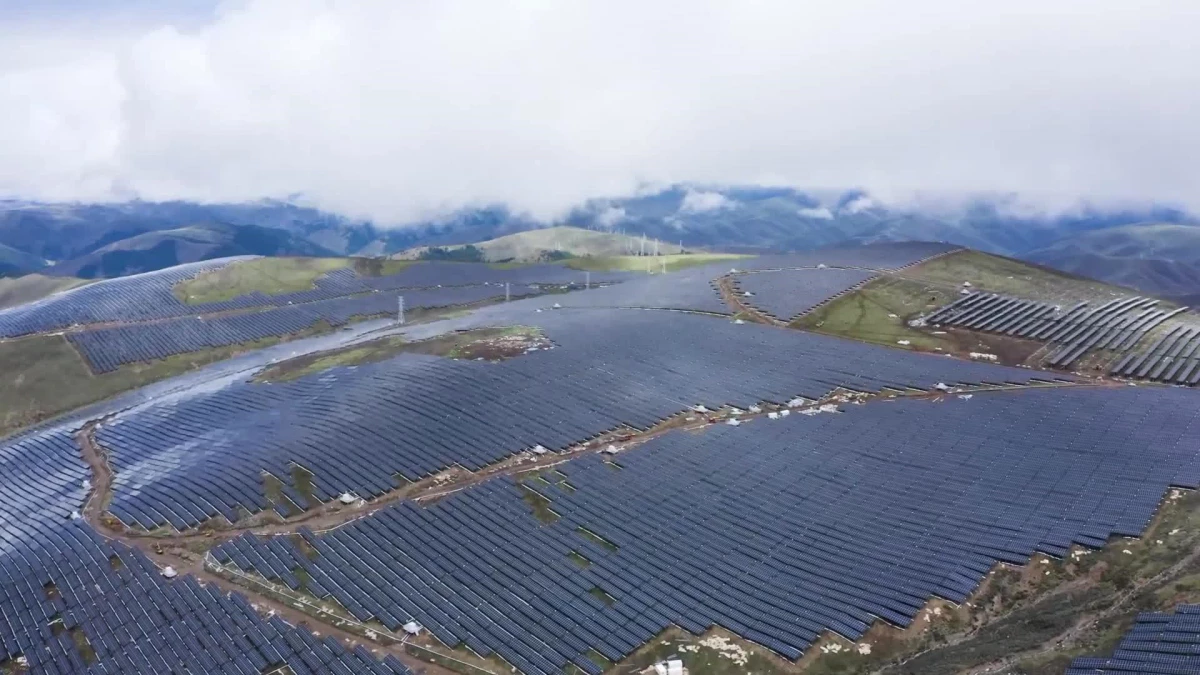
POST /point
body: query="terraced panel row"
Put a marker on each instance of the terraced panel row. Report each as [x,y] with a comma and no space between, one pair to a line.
[776,530]
[1114,325]
[197,456]
[786,294]
[1174,358]
[107,349]
[1159,642]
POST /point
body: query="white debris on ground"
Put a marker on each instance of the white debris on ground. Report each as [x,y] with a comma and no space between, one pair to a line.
[724,648]
[1173,532]
[942,386]
[832,648]
[75,515]
[169,572]
[772,415]
[796,402]
[1175,494]
[822,266]
[826,408]
[733,423]
[863,648]
[892,316]
[964,292]
[981,356]
[539,450]
[966,397]
[966,284]
[939,332]
[346,498]
[611,450]
[700,409]
[1127,552]
[755,409]
[557,306]
[87,484]
[785,413]
[739,322]
[904,342]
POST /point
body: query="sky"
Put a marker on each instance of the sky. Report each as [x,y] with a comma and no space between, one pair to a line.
[398,110]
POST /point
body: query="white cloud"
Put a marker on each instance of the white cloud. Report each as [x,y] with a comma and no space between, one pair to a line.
[399,110]
[858,205]
[700,201]
[610,217]
[819,212]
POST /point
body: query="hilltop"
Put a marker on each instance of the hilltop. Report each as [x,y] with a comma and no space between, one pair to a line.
[554,243]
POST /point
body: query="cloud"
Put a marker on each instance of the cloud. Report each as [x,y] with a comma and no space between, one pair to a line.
[610,217]
[819,212]
[858,205]
[699,201]
[403,110]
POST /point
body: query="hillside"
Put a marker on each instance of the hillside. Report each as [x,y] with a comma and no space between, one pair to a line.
[20,290]
[158,250]
[1157,258]
[552,242]
[14,262]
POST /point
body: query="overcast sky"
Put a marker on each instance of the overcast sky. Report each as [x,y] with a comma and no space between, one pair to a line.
[397,109]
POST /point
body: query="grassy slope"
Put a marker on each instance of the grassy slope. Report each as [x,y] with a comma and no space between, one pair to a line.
[20,290]
[44,376]
[879,312]
[271,276]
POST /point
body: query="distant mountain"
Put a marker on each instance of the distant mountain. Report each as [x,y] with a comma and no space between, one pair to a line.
[164,248]
[14,262]
[1157,258]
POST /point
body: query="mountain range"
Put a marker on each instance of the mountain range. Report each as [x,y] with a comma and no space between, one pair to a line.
[1154,249]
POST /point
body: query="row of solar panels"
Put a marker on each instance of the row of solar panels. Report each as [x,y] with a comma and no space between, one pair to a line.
[1159,642]
[188,457]
[1173,358]
[97,607]
[151,296]
[107,349]
[776,530]
[1115,325]
[786,294]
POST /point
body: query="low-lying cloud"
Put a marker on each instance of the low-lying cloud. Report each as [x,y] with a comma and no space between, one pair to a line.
[403,110]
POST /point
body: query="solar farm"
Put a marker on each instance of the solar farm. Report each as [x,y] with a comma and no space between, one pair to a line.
[677,468]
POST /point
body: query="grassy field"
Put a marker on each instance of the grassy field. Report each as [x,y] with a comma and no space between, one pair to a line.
[652,264]
[997,274]
[19,290]
[270,276]
[479,343]
[879,312]
[44,376]
[535,245]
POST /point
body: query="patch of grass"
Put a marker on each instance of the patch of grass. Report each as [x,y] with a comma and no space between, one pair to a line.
[83,646]
[717,652]
[579,561]
[461,344]
[878,312]
[269,276]
[43,376]
[599,594]
[997,274]
[302,480]
[379,267]
[20,290]
[539,505]
[273,489]
[648,263]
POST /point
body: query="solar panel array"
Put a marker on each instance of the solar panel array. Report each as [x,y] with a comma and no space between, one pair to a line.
[788,293]
[1159,642]
[775,530]
[1084,327]
[1173,358]
[73,602]
[150,296]
[193,457]
[107,349]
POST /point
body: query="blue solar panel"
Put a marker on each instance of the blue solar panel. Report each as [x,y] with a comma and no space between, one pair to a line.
[776,530]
